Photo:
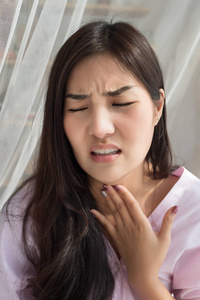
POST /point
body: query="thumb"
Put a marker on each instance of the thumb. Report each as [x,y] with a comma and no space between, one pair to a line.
[165,231]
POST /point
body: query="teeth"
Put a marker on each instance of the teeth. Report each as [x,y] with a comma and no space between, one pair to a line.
[105,152]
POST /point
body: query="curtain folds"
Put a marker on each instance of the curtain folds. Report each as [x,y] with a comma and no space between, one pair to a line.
[31,32]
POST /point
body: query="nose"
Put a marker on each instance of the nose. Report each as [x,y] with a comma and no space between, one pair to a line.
[101,123]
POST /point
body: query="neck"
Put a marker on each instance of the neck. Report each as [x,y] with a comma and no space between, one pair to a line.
[139,183]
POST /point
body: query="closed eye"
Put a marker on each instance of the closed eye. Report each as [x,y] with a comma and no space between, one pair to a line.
[114,104]
[123,104]
[77,109]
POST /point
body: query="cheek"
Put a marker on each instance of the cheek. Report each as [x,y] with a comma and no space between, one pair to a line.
[70,130]
[75,134]
[138,125]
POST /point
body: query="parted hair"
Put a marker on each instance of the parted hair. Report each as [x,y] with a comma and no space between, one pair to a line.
[72,262]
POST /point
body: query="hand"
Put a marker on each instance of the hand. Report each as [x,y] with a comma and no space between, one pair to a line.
[142,250]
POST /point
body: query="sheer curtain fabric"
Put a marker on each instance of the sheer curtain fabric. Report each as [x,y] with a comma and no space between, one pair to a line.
[31,32]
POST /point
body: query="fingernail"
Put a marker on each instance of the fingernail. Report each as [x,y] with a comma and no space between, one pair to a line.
[106,187]
[174,210]
[104,193]
[116,187]
[92,212]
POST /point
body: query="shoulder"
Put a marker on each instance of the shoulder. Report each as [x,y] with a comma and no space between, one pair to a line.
[12,216]
[14,265]
[186,195]
[187,188]
[185,245]
[18,203]
[181,262]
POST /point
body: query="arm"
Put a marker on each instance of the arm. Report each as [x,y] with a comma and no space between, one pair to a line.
[141,249]
[154,290]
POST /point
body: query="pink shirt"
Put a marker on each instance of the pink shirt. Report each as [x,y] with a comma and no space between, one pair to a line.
[180,272]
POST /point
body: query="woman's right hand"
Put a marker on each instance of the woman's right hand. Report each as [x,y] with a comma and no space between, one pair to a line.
[142,250]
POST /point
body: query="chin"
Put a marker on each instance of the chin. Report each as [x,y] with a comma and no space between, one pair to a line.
[110,180]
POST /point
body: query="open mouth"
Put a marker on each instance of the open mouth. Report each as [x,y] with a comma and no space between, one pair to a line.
[101,152]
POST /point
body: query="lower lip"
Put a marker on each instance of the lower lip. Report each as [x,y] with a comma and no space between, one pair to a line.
[105,158]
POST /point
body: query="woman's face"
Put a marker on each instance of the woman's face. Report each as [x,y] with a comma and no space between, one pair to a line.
[109,119]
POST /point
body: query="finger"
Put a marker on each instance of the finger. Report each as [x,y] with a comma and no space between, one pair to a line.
[165,231]
[118,206]
[132,205]
[107,224]
[108,194]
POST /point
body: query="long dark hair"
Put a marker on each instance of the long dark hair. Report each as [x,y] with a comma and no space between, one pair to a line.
[72,261]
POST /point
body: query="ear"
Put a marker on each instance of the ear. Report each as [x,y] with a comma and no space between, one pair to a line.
[159,104]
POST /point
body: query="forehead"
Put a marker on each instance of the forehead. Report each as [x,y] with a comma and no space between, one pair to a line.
[102,68]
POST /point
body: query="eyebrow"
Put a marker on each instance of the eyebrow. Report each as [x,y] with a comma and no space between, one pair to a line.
[77,97]
[118,91]
[112,94]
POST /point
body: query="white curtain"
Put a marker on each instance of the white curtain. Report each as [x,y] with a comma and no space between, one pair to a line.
[32,31]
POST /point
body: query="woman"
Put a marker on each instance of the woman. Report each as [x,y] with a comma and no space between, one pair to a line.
[95,220]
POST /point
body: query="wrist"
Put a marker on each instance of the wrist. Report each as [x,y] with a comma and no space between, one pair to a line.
[152,289]
[144,281]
